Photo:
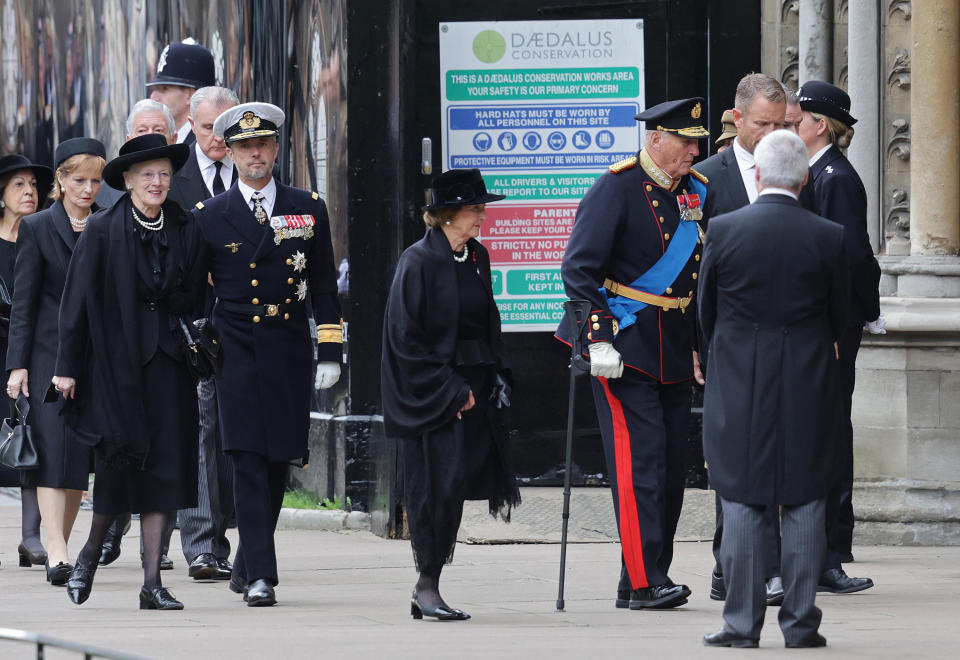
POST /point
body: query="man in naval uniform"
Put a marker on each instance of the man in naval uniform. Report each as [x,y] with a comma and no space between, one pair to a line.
[634,253]
[271,262]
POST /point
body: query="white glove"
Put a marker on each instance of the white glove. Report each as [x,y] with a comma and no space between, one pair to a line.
[877,327]
[605,360]
[328,373]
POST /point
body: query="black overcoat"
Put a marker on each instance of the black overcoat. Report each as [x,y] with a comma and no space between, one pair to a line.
[265,388]
[106,333]
[773,295]
[838,194]
[44,246]
[725,190]
[419,386]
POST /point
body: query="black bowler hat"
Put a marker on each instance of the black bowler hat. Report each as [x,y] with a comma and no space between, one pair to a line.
[76,146]
[455,188]
[187,64]
[140,149]
[17,162]
[825,99]
[682,117]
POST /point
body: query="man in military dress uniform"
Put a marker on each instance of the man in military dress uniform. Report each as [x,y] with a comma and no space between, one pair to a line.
[269,253]
[634,253]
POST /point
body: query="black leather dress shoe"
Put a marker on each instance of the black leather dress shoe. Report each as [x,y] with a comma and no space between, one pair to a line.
[59,574]
[259,593]
[111,544]
[441,613]
[80,583]
[718,590]
[237,585]
[30,558]
[816,640]
[204,567]
[836,581]
[158,598]
[659,597]
[623,599]
[166,564]
[224,569]
[774,591]
[724,637]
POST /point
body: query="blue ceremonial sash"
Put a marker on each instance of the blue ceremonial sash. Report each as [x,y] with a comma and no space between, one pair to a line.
[663,273]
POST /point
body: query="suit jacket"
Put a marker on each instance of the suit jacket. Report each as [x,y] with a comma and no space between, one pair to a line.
[265,388]
[623,227]
[187,186]
[106,328]
[773,297]
[837,193]
[725,191]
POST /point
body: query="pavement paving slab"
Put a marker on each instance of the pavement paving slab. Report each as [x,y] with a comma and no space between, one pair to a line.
[346,595]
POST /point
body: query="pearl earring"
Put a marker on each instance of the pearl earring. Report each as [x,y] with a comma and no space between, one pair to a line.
[447,222]
[3,204]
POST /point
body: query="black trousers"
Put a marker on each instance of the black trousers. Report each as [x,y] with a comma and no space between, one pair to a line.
[839,511]
[644,425]
[258,487]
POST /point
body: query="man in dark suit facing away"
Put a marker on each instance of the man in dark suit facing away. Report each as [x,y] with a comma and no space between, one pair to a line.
[203,529]
[773,296]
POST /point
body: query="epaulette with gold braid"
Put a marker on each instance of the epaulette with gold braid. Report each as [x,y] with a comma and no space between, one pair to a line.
[699,176]
[624,164]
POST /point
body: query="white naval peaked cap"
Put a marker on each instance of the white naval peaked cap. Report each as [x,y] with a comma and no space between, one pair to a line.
[249,120]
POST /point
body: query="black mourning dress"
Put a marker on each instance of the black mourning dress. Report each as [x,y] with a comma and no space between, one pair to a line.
[168,479]
[432,358]
[8,253]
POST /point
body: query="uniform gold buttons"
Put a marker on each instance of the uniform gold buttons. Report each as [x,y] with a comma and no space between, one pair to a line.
[255,301]
[666,236]
[596,326]
[286,317]
[289,261]
[696,257]
[253,265]
[254,283]
[669,290]
[691,293]
[666,309]
[287,301]
[661,219]
[256,319]
[693,275]
[594,318]
[289,280]
[649,187]
[656,203]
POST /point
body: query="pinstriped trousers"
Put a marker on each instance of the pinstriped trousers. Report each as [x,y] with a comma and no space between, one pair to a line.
[742,559]
[204,528]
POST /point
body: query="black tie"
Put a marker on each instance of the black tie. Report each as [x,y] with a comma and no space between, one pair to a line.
[217,181]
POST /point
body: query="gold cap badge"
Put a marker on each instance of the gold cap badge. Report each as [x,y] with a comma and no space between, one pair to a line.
[250,121]
[695,112]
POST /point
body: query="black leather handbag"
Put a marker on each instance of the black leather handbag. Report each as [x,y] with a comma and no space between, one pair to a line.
[17,449]
[202,349]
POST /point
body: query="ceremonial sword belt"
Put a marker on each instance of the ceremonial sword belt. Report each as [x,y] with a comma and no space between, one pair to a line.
[665,302]
[258,310]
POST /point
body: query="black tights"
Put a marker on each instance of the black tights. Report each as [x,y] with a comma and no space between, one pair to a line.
[30,520]
[152,527]
[428,588]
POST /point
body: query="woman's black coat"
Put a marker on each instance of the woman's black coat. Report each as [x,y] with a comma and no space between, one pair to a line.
[419,386]
[104,326]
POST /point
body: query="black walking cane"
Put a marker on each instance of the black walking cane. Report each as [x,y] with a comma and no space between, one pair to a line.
[574,317]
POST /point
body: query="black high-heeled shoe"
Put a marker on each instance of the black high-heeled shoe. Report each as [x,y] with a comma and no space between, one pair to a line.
[29,558]
[440,612]
[59,574]
[80,583]
[158,598]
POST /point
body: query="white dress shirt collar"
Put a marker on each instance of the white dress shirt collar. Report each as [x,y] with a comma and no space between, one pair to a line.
[819,154]
[269,193]
[748,169]
[183,131]
[772,190]
[208,169]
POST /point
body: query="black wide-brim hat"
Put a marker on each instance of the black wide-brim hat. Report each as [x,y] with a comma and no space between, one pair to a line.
[139,150]
[455,188]
[825,99]
[16,162]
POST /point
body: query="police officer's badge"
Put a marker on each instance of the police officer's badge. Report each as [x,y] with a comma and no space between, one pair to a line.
[690,210]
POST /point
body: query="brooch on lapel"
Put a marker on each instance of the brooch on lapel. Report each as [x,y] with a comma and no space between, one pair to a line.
[292,226]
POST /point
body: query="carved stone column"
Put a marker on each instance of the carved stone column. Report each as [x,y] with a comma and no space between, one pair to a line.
[816,40]
[863,78]
[934,107]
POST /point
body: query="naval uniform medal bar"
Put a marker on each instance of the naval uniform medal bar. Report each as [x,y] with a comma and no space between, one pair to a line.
[292,226]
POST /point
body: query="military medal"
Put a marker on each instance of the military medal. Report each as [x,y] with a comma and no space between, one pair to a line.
[299,261]
[690,210]
[302,290]
[292,226]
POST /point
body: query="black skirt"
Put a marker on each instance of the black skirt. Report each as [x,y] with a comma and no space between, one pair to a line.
[168,479]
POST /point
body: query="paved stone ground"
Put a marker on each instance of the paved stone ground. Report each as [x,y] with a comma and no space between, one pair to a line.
[344,595]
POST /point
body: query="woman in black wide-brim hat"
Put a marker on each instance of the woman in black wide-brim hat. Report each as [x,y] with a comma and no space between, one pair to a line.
[134,273]
[23,186]
[44,247]
[444,377]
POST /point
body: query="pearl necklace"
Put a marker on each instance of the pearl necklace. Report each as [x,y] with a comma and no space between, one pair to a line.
[155,225]
[460,259]
[78,223]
